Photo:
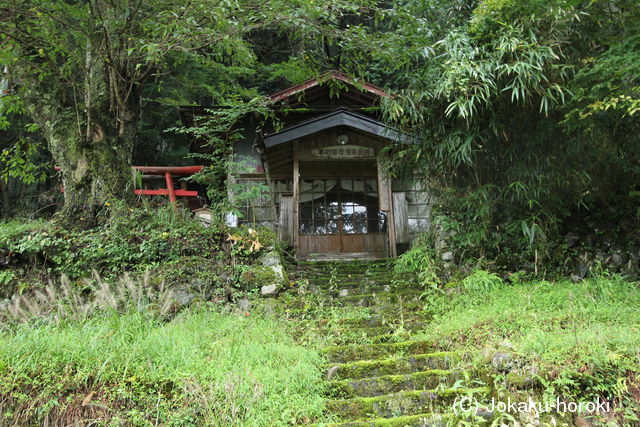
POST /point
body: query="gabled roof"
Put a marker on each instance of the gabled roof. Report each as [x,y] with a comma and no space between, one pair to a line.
[331,75]
[338,118]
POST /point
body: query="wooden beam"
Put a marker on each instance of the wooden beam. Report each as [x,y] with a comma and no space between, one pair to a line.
[165,192]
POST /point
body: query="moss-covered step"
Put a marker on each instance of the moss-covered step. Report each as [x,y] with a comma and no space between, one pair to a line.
[372,299]
[322,282]
[348,269]
[364,272]
[355,338]
[395,365]
[417,322]
[348,353]
[341,262]
[328,283]
[446,419]
[418,420]
[386,384]
[344,268]
[389,310]
[363,335]
[344,262]
[350,276]
[400,404]
[397,299]
[362,287]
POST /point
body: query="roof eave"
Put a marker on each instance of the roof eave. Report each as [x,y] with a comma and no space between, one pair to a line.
[332,120]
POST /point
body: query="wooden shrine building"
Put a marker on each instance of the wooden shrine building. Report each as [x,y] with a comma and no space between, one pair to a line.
[318,177]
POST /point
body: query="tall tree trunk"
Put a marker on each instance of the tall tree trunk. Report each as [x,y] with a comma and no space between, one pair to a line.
[91,141]
[95,170]
[4,190]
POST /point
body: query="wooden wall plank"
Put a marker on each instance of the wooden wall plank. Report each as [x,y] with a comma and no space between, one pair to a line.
[372,243]
[286,223]
[401,217]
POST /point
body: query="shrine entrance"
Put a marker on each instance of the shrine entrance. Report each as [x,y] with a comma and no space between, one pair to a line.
[340,216]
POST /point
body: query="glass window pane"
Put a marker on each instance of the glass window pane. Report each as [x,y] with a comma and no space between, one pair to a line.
[347,225]
[371,186]
[320,227]
[333,210]
[422,211]
[355,226]
[372,211]
[306,226]
[360,210]
[319,212]
[306,211]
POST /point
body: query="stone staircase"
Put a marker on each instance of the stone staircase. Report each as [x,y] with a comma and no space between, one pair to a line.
[377,374]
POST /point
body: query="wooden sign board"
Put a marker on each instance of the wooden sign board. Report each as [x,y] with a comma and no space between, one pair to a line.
[343,152]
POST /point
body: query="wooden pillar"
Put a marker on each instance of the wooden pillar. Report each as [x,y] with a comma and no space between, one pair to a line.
[296,197]
[386,205]
[170,189]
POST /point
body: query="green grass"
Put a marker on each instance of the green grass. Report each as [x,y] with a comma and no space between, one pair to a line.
[203,367]
[584,337]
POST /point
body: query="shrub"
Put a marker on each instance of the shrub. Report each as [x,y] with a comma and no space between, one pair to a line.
[133,241]
[481,281]
[421,259]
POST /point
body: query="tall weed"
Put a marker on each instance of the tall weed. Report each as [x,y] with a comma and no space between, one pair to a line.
[79,301]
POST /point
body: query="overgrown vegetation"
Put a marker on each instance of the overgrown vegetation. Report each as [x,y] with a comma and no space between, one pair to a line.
[525,113]
[578,341]
[205,366]
[128,322]
[528,121]
[574,339]
[169,242]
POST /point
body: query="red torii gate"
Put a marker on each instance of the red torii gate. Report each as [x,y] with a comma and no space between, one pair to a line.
[168,172]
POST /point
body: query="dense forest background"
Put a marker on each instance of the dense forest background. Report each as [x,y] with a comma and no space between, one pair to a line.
[526,111]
